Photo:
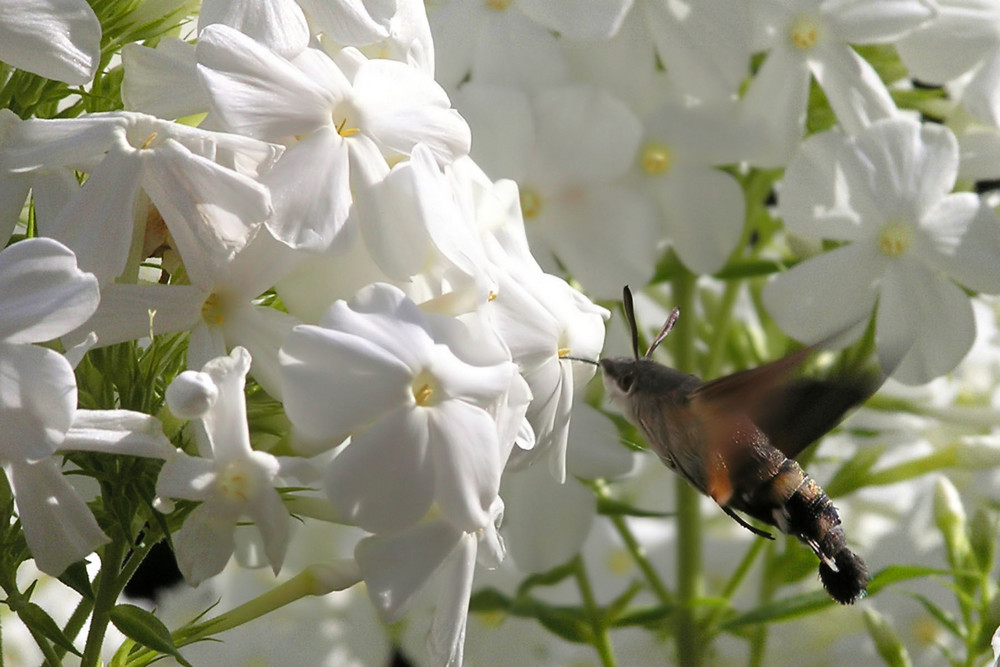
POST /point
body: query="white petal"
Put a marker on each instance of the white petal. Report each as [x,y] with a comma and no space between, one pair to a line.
[351,22]
[128,312]
[262,331]
[58,525]
[401,106]
[502,122]
[979,150]
[37,401]
[545,522]
[205,542]
[191,394]
[60,142]
[309,212]
[981,96]
[925,324]
[334,382]
[226,421]
[44,293]
[384,479]
[965,234]
[705,211]
[188,477]
[256,92]
[277,24]
[397,566]
[511,49]
[826,294]
[467,463]
[776,101]
[853,87]
[56,39]
[593,453]
[573,19]
[271,517]
[447,637]
[13,193]
[922,49]
[117,432]
[163,81]
[862,22]
[97,222]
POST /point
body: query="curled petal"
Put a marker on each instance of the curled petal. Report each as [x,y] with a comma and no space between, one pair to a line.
[56,39]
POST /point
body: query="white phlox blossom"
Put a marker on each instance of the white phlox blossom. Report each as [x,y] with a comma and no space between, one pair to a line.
[397,566]
[45,295]
[432,416]
[885,194]
[56,39]
[811,39]
[334,115]
[229,478]
[201,183]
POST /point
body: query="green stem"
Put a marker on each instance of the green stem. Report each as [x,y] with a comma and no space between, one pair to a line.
[108,587]
[690,578]
[716,346]
[597,622]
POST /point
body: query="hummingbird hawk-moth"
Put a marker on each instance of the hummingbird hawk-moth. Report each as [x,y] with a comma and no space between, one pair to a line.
[735,439]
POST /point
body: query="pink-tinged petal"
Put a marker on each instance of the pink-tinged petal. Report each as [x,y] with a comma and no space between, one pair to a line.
[44,293]
[37,401]
[212,212]
[97,222]
[73,142]
[863,22]
[226,422]
[334,383]
[58,525]
[399,106]
[583,134]
[961,237]
[56,39]
[117,432]
[128,312]
[384,480]
[776,103]
[164,81]
[545,522]
[256,92]
[572,19]
[925,323]
[913,165]
[351,22]
[310,212]
[262,331]
[279,25]
[826,192]
[855,91]
[205,542]
[447,637]
[269,514]
[187,477]
[467,465]
[826,294]
[397,566]
[704,209]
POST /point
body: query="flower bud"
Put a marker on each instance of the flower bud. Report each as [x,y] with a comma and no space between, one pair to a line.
[887,642]
[191,394]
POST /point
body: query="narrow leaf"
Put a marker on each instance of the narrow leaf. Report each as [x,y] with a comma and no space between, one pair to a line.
[138,624]
[35,617]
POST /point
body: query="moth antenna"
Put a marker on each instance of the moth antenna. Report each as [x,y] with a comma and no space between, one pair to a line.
[630,316]
[667,326]
[586,361]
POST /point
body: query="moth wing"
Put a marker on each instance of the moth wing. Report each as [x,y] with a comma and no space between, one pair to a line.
[791,413]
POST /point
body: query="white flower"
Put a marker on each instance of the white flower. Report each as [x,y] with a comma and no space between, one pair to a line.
[195,178]
[429,411]
[885,195]
[812,38]
[229,478]
[347,115]
[57,39]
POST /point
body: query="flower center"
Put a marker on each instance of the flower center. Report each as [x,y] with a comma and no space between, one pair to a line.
[345,119]
[425,389]
[895,239]
[498,5]
[655,158]
[215,309]
[531,203]
[804,32]
[236,482]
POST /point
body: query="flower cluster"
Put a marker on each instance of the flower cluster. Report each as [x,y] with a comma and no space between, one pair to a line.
[351,253]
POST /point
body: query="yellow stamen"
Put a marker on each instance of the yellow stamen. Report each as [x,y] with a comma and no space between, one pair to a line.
[213,310]
[562,352]
[531,203]
[492,296]
[895,239]
[346,131]
[804,33]
[149,140]
[655,158]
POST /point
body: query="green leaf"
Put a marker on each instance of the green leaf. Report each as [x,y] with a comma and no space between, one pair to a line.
[612,507]
[896,573]
[145,628]
[35,618]
[942,617]
[570,624]
[75,576]
[781,610]
[648,617]
[550,578]
[887,641]
[488,600]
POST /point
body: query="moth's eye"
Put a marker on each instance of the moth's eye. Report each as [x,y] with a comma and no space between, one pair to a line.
[626,380]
